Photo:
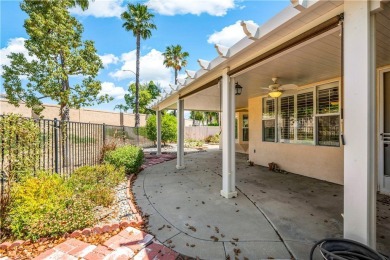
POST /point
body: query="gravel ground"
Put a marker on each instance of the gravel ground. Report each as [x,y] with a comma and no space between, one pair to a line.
[172,148]
[120,209]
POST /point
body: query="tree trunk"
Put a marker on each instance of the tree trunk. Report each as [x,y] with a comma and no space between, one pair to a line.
[175,76]
[137,121]
[64,115]
[137,81]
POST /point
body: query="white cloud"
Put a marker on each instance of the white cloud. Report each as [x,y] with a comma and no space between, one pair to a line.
[101,8]
[107,59]
[196,7]
[112,90]
[15,45]
[229,35]
[151,68]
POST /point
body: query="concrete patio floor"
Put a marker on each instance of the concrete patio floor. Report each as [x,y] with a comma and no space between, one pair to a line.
[275,215]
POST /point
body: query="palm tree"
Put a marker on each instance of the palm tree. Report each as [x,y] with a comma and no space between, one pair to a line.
[121,108]
[175,58]
[138,20]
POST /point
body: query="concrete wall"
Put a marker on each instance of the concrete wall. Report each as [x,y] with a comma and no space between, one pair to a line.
[76,115]
[200,132]
[320,162]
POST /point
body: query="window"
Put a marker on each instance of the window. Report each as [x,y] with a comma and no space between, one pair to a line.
[305,126]
[287,118]
[310,117]
[328,119]
[328,130]
[269,124]
[328,100]
[245,128]
[236,128]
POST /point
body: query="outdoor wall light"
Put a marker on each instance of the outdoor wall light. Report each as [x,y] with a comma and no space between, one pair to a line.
[275,94]
[238,89]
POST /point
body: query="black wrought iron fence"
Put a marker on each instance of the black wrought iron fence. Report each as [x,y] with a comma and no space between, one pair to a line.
[65,145]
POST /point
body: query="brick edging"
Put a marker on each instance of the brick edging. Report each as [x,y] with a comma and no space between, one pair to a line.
[133,206]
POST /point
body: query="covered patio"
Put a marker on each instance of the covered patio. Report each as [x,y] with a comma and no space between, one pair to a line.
[275,215]
[334,126]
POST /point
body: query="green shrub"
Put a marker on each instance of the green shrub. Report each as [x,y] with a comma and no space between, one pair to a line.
[191,143]
[142,131]
[77,214]
[214,139]
[96,182]
[168,128]
[129,157]
[19,142]
[41,205]
[111,146]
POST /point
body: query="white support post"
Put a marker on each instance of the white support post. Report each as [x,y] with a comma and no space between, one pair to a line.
[180,134]
[359,113]
[228,142]
[158,123]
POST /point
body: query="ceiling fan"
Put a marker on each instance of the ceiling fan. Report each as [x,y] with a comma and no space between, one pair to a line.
[276,89]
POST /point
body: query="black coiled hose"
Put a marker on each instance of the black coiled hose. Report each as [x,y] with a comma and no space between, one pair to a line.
[345,249]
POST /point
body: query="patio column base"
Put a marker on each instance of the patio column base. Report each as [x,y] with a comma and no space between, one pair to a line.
[180,167]
[229,195]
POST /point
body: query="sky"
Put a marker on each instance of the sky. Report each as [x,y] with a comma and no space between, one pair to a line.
[196,25]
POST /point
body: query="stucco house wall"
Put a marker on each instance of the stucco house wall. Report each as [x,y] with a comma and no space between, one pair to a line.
[320,162]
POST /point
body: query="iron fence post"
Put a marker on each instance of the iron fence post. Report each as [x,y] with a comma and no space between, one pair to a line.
[104,134]
[123,134]
[56,145]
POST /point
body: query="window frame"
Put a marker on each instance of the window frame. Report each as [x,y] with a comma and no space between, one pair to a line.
[277,115]
[317,115]
[269,118]
[303,91]
[243,127]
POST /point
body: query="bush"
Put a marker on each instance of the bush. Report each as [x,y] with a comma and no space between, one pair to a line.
[19,142]
[168,128]
[214,139]
[129,157]
[142,131]
[105,149]
[43,205]
[96,183]
[191,143]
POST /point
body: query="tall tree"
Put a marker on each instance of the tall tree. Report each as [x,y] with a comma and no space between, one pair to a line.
[138,20]
[147,92]
[175,58]
[57,52]
[121,108]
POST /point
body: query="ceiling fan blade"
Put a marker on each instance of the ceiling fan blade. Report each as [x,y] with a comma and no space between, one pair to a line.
[288,87]
[265,89]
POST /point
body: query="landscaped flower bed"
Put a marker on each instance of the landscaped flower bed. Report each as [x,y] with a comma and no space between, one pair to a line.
[44,205]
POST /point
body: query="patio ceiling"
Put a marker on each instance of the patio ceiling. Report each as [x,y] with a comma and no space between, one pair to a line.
[313,61]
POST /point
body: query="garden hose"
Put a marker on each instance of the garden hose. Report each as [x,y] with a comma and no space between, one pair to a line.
[345,249]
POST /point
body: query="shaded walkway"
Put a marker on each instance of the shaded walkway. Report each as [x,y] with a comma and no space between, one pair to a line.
[275,215]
